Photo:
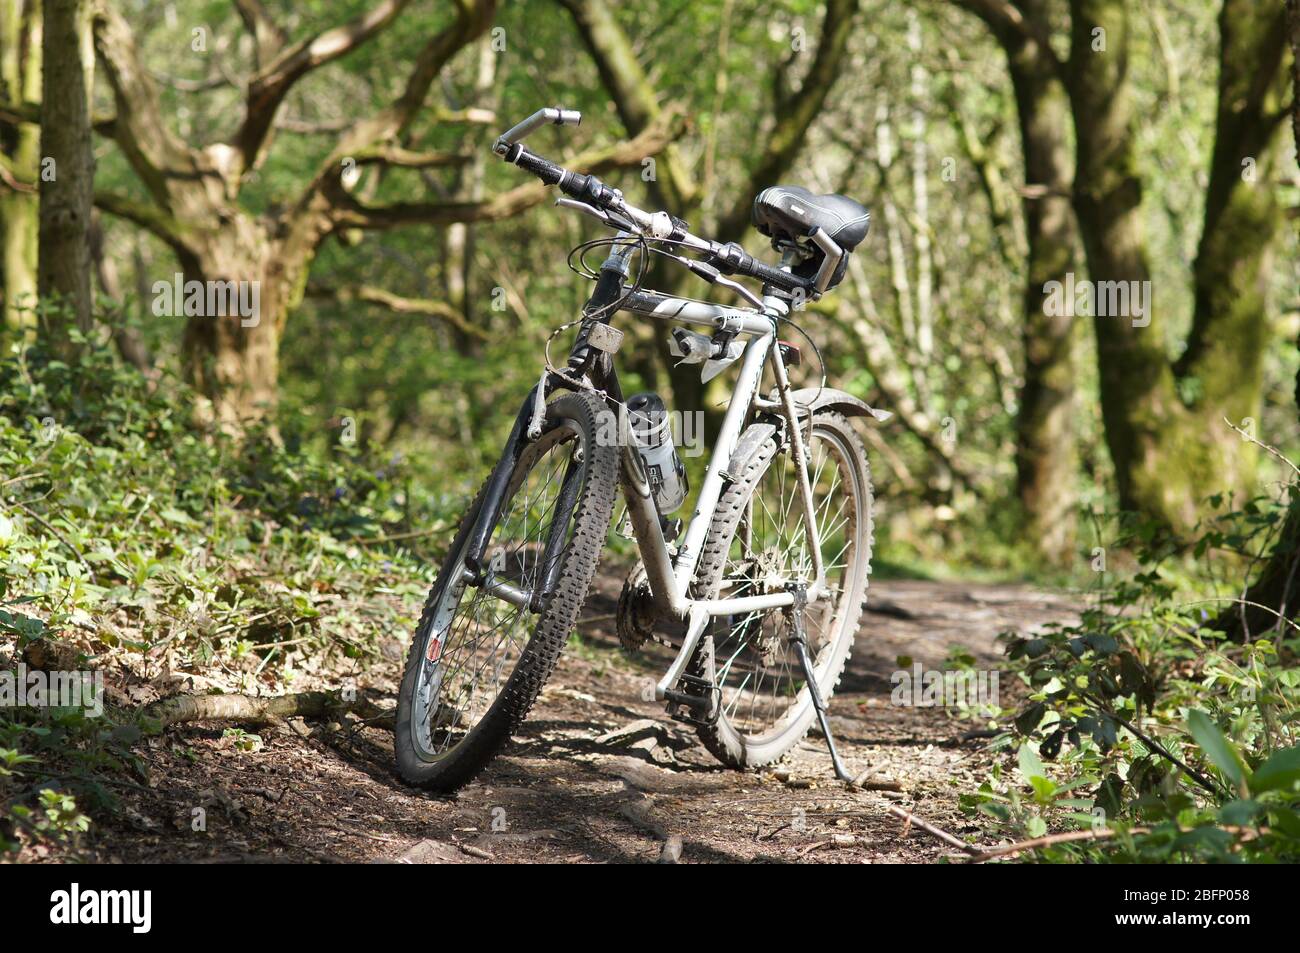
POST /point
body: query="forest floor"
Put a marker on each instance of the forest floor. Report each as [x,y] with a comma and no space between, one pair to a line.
[597,774]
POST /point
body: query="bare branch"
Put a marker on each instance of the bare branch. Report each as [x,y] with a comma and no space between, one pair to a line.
[304,127]
[1066,837]
[31,112]
[316,210]
[183,85]
[400,304]
[148,216]
[472,18]
[796,113]
[268,38]
[352,213]
[266,90]
[473,116]
[161,160]
[628,85]
[408,159]
[9,177]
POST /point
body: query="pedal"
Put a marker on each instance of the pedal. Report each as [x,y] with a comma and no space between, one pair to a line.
[695,708]
[799,639]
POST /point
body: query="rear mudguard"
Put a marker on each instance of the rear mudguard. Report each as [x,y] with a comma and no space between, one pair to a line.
[806,400]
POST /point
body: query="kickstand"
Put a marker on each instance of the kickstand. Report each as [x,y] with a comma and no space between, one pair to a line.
[800,641]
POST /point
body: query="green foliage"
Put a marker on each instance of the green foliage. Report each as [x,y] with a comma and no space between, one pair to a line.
[127,527]
[1186,747]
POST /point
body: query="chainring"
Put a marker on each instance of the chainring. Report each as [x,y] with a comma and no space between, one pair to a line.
[636,617]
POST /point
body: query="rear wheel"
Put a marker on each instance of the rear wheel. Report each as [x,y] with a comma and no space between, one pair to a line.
[474,670]
[757,544]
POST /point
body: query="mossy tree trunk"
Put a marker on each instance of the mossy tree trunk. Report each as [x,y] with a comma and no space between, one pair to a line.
[1164,425]
[1230,332]
[1047,455]
[1275,594]
[63,276]
[20,82]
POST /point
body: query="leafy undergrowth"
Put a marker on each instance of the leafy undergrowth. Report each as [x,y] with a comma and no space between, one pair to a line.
[139,544]
[1145,735]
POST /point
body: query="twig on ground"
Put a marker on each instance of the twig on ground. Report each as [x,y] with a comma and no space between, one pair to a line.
[772,833]
[1048,840]
[864,782]
[931,829]
[805,851]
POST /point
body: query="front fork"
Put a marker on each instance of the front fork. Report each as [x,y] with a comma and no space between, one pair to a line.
[583,360]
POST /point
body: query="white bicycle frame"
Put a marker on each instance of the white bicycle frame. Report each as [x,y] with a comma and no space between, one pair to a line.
[670,578]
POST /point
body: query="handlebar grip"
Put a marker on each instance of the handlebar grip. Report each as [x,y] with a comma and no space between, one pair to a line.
[544,169]
[774,276]
[586,188]
[735,260]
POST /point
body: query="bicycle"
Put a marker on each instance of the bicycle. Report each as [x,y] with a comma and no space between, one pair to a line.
[770,577]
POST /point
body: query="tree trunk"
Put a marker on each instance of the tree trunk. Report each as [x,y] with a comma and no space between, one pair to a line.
[1275,594]
[1138,396]
[1168,454]
[20,77]
[249,283]
[1046,442]
[1230,328]
[66,193]
[130,343]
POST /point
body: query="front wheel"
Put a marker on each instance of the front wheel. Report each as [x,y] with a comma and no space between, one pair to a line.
[756,545]
[474,672]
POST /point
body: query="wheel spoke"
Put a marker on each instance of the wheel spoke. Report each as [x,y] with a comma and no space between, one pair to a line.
[483,637]
[761,681]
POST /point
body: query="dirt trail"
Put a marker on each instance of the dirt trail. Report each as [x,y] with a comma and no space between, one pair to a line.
[597,773]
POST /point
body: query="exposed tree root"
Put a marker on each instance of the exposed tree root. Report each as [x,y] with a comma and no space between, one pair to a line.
[246,709]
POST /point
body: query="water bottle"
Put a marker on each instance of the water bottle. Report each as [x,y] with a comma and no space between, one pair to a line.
[652,431]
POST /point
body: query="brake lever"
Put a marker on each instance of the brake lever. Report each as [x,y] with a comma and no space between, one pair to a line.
[603,216]
[714,277]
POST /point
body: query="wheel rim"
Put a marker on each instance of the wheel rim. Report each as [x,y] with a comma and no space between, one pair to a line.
[475,640]
[763,690]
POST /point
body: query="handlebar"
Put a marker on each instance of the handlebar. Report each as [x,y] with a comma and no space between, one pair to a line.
[608,204]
